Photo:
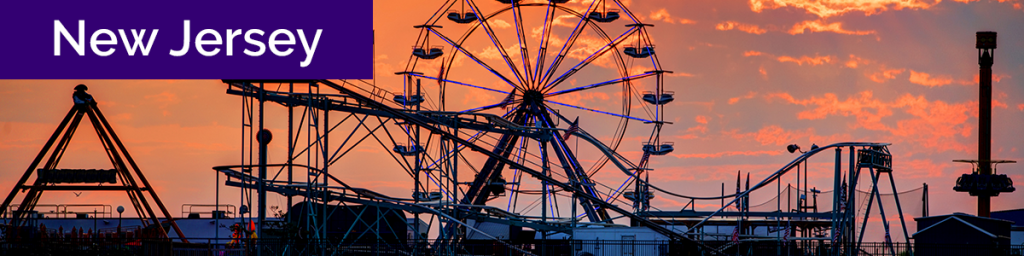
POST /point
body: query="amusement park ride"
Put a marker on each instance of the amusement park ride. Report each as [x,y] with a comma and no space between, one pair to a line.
[467,162]
[533,160]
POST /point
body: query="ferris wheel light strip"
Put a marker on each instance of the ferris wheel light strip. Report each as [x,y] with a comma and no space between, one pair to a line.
[517,15]
[593,56]
[543,45]
[568,44]
[615,81]
[494,40]
[458,83]
[598,111]
[472,57]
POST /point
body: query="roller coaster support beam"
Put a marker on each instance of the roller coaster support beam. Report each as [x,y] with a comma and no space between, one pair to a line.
[835,196]
[576,174]
[513,164]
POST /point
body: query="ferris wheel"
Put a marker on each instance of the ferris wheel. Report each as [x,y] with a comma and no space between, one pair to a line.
[584,74]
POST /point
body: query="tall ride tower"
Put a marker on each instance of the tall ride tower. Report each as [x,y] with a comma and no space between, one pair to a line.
[984,182]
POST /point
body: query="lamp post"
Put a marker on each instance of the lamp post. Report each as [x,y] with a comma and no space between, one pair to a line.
[120,210]
[793,148]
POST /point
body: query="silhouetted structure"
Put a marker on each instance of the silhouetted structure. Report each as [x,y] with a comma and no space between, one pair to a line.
[51,178]
[961,230]
[983,182]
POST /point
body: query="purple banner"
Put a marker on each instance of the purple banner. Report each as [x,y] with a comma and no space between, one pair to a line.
[186,39]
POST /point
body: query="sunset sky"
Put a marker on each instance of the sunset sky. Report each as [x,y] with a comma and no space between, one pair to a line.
[750,77]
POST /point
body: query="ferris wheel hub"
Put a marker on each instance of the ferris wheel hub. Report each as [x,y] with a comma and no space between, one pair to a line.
[533,97]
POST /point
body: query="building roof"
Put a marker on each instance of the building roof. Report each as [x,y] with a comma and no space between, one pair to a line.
[1015,215]
[962,215]
[954,217]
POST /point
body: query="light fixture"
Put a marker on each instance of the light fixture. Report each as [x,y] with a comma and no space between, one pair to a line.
[793,148]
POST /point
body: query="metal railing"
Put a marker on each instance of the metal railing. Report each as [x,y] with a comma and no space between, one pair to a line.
[241,247]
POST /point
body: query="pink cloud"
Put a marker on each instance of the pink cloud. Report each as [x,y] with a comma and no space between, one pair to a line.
[749,95]
[825,9]
[929,80]
[823,26]
[749,28]
[884,74]
[935,125]
[813,61]
[729,153]
[701,119]
[663,15]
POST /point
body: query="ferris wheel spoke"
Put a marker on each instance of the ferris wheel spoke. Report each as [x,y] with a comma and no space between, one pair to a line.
[494,40]
[517,16]
[574,172]
[439,14]
[609,82]
[474,58]
[576,31]
[513,192]
[614,194]
[542,47]
[458,83]
[626,10]
[598,111]
[594,56]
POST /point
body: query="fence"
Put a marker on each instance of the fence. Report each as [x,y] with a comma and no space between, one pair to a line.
[213,247]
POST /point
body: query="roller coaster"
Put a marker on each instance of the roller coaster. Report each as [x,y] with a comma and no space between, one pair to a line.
[456,210]
[482,171]
[498,148]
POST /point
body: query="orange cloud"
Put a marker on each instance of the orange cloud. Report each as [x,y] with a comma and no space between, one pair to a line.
[927,79]
[701,119]
[977,79]
[816,60]
[999,103]
[822,26]
[749,95]
[829,8]
[699,128]
[855,61]
[499,23]
[749,28]
[1016,3]
[884,74]
[776,135]
[663,15]
[1020,107]
[729,153]
[752,53]
[933,124]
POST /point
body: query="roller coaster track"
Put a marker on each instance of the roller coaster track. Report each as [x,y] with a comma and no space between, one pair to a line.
[428,124]
[624,165]
[368,105]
